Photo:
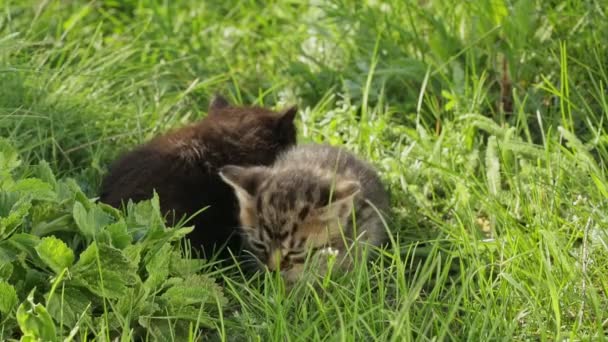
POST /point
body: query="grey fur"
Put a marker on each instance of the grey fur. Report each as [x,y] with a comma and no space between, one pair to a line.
[285,207]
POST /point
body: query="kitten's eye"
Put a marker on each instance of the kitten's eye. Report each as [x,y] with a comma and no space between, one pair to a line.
[296,256]
[258,245]
[294,253]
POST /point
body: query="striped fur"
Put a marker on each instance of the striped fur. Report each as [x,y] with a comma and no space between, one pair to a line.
[311,198]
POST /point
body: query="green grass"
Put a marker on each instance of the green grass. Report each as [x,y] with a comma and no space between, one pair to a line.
[487,119]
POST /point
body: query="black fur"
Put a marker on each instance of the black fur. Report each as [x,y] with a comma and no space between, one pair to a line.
[182,166]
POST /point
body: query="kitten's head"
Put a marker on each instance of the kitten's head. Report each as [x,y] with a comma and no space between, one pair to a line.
[252,129]
[286,214]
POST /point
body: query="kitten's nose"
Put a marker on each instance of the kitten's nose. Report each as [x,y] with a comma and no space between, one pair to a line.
[277,261]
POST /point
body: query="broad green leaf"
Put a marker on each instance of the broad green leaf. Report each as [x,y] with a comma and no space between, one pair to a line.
[8,297]
[195,313]
[44,172]
[138,301]
[158,267]
[7,253]
[90,222]
[70,303]
[196,289]
[119,237]
[158,238]
[48,218]
[68,190]
[26,242]
[34,188]
[55,253]
[13,210]
[168,235]
[9,157]
[34,321]
[133,254]
[104,270]
[103,323]
[8,199]
[183,267]
[192,298]
[81,217]
[144,218]
[34,279]
[110,210]
[18,244]
[6,269]
[162,329]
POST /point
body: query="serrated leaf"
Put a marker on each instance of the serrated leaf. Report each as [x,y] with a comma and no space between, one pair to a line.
[110,322]
[183,267]
[44,172]
[196,289]
[194,314]
[13,210]
[8,199]
[8,298]
[161,329]
[158,267]
[6,269]
[119,237]
[48,218]
[81,217]
[70,303]
[18,244]
[34,321]
[7,254]
[90,222]
[9,157]
[133,254]
[167,235]
[67,189]
[144,218]
[107,276]
[55,253]
[34,188]
[157,238]
[136,302]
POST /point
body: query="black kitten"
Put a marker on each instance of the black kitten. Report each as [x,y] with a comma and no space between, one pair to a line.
[182,166]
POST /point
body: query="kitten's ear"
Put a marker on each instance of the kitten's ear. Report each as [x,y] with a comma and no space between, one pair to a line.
[285,127]
[289,114]
[244,180]
[341,200]
[218,102]
[286,118]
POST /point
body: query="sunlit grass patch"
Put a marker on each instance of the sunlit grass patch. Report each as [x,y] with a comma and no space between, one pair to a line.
[487,121]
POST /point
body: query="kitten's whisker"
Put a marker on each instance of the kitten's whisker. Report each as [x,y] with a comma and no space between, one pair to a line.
[253,256]
[243,234]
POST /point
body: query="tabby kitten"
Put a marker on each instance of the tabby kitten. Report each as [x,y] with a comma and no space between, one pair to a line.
[305,202]
[182,166]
